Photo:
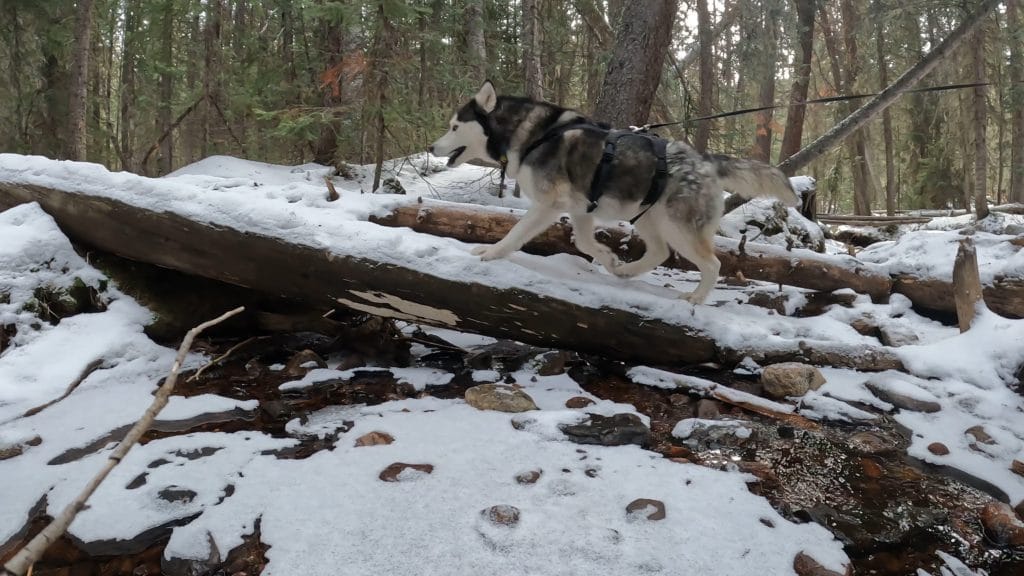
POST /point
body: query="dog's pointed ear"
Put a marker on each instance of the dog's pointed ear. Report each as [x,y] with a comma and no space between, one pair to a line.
[486,97]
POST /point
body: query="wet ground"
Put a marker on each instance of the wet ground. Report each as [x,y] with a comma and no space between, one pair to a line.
[892,513]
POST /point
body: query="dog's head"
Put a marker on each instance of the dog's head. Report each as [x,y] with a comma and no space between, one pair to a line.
[468,130]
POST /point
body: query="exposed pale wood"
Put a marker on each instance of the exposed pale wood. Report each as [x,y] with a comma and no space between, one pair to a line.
[966,283]
[872,220]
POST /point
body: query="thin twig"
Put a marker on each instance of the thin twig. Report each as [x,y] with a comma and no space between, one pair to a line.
[21,563]
[85,373]
[220,358]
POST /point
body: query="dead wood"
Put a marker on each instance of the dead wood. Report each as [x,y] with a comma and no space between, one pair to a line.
[21,563]
[322,278]
[801,268]
[966,283]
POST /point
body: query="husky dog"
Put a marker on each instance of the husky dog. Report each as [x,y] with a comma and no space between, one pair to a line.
[560,164]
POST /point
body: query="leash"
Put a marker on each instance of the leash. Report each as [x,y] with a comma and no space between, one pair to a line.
[825,100]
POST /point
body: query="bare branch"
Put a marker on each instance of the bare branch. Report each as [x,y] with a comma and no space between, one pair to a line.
[21,563]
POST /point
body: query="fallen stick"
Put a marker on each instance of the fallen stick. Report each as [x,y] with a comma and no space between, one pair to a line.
[21,563]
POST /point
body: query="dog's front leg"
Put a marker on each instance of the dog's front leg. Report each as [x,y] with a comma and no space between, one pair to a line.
[583,237]
[535,221]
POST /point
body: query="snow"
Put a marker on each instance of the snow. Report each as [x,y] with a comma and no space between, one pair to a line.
[568,516]
[334,501]
[930,254]
[418,377]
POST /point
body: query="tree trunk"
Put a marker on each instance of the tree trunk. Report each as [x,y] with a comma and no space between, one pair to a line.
[1015,35]
[127,129]
[883,81]
[328,279]
[793,136]
[883,100]
[707,76]
[532,76]
[331,39]
[164,115]
[634,71]
[79,101]
[980,125]
[766,64]
[381,49]
[211,68]
[476,49]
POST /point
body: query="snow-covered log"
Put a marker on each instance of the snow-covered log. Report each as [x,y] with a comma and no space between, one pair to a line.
[802,268]
[137,227]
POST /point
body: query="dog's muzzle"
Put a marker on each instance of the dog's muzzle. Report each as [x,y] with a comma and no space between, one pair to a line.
[455,155]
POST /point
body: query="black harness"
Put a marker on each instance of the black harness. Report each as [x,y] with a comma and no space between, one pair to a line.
[604,168]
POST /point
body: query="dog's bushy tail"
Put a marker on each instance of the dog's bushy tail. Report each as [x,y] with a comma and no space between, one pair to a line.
[751,179]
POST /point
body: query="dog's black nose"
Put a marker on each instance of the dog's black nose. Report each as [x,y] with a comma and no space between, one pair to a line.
[430,149]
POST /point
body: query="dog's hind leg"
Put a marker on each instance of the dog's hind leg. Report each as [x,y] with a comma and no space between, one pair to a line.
[535,221]
[656,254]
[583,238]
[699,249]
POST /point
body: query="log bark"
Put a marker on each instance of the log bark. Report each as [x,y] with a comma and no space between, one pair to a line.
[801,268]
[323,278]
[804,268]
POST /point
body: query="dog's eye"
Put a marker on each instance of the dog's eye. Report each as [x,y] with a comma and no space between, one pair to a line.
[454,128]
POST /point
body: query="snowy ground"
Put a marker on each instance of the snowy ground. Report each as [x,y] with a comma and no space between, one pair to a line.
[331,514]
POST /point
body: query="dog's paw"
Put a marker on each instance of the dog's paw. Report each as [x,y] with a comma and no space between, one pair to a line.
[492,252]
[694,298]
[623,270]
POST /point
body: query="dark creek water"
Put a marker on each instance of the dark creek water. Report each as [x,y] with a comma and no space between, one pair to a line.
[891,513]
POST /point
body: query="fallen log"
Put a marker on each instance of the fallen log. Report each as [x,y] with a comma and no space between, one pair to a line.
[801,268]
[306,271]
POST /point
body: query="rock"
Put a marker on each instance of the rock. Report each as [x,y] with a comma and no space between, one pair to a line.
[869,444]
[979,434]
[8,452]
[391,185]
[654,509]
[707,409]
[790,379]
[1002,525]
[898,399]
[897,335]
[502,515]
[499,397]
[400,471]
[617,430]
[577,402]
[804,565]
[1017,467]
[302,362]
[177,494]
[864,327]
[374,438]
[529,477]
[552,363]
[938,448]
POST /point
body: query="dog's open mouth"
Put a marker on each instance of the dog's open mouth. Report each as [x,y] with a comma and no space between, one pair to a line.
[455,155]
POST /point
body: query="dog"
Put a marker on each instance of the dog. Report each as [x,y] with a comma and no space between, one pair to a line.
[563,149]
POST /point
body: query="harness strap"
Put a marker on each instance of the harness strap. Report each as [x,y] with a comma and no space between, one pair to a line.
[601,174]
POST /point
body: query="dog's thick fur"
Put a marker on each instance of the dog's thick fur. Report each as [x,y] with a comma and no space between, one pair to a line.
[556,177]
